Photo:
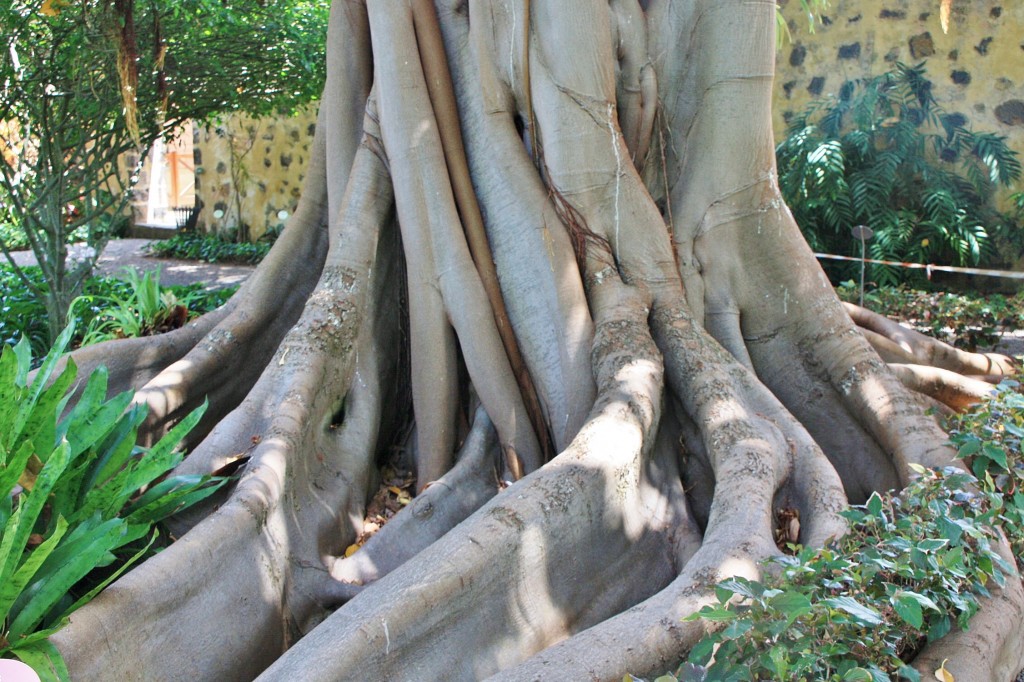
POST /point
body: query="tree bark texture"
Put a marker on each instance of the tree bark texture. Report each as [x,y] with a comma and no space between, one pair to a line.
[541,249]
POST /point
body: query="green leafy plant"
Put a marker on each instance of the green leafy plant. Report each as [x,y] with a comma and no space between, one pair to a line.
[911,567]
[22,314]
[88,84]
[884,154]
[103,300]
[145,310]
[988,438]
[212,248]
[76,495]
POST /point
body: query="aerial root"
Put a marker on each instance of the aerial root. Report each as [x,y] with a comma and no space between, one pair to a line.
[442,99]
[444,504]
[325,335]
[898,344]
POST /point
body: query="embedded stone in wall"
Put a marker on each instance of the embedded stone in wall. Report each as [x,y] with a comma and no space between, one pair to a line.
[816,86]
[955,119]
[1011,112]
[995,12]
[922,46]
[892,14]
[851,51]
[982,47]
[286,160]
[960,77]
[797,56]
[787,87]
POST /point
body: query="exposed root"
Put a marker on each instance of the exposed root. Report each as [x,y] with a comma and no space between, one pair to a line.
[951,389]
[446,503]
[992,649]
[709,352]
[899,344]
[519,537]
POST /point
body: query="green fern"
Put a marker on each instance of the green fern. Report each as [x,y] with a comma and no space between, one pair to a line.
[883,153]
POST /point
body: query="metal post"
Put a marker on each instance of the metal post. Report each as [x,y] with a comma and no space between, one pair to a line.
[863,233]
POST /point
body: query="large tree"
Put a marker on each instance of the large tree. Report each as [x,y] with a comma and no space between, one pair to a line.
[541,252]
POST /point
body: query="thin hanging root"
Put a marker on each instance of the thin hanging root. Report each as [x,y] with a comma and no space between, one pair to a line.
[446,503]
[896,343]
[951,389]
[442,99]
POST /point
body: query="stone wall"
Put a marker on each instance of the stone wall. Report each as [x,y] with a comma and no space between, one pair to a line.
[977,67]
[249,171]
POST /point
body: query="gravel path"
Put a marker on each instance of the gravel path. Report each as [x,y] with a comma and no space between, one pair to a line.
[128,253]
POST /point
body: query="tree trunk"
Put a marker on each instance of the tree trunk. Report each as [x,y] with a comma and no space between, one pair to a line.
[548,227]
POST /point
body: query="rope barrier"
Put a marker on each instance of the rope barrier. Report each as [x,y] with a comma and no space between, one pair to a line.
[928,268]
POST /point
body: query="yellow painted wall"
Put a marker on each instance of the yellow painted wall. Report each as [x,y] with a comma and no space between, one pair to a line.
[977,68]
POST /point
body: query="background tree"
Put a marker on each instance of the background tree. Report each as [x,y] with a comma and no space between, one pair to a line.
[545,228]
[82,83]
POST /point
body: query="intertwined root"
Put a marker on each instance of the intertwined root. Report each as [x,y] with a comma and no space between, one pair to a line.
[673,329]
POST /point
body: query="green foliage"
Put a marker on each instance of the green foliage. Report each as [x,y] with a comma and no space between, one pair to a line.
[103,299]
[886,155]
[962,320]
[69,496]
[85,82]
[911,568]
[142,308]
[989,440]
[212,248]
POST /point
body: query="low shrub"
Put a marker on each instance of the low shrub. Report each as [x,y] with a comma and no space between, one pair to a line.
[139,306]
[989,440]
[79,500]
[210,248]
[103,299]
[911,568]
